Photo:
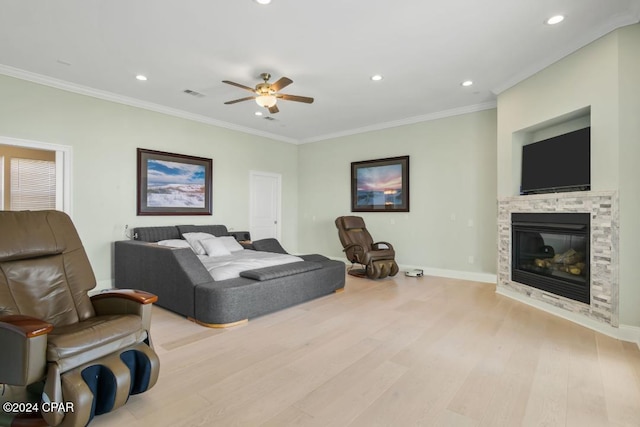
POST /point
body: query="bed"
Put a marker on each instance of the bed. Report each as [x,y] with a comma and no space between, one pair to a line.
[225,289]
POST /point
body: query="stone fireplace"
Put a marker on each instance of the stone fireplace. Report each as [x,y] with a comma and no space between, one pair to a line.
[561,249]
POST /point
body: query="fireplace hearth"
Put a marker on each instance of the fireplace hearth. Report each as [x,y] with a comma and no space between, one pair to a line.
[550,252]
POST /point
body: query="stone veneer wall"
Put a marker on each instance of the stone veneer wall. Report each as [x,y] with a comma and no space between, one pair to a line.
[603,207]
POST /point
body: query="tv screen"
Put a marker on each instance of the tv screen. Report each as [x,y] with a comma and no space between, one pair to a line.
[561,163]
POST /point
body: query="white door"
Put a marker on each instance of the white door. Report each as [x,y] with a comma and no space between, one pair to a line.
[264,206]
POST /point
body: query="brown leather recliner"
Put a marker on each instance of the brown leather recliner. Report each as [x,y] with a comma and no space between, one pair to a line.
[377,257]
[83,355]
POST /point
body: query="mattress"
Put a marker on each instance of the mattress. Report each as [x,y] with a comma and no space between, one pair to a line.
[230,266]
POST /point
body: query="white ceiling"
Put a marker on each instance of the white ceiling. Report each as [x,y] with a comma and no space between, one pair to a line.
[329,48]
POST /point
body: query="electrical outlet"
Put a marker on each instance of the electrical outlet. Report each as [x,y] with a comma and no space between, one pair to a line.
[453,217]
[471,259]
[470,223]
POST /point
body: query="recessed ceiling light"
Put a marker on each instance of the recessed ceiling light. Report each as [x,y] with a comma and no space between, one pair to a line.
[262,1]
[141,77]
[376,77]
[466,83]
[258,113]
[555,20]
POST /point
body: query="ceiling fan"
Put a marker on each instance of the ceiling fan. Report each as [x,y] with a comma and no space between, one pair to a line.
[266,94]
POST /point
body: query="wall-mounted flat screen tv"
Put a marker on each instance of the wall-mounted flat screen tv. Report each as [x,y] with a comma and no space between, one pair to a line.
[561,163]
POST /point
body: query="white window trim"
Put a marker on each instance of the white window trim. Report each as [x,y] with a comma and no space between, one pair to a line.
[64,157]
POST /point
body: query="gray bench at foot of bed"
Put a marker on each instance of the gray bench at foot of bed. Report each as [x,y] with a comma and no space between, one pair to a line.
[233,300]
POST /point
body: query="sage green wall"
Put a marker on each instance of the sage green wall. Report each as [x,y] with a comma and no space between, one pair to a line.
[452,177]
[601,77]
[104,136]
[629,171]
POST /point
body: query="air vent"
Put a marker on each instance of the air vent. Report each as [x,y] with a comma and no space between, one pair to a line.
[194,93]
[270,118]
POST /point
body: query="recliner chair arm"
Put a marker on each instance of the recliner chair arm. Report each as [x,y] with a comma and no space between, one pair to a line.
[357,246]
[375,245]
[26,336]
[125,301]
[28,326]
[140,297]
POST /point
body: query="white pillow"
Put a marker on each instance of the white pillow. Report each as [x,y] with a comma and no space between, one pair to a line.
[175,243]
[215,247]
[231,243]
[194,240]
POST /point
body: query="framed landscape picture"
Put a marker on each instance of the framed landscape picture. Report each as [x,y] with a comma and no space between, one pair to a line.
[173,184]
[380,185]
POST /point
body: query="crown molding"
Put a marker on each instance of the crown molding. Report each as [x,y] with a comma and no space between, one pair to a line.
[408,121]
[586,39]
[133,102]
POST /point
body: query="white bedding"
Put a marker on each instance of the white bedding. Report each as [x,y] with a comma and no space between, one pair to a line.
[230,266]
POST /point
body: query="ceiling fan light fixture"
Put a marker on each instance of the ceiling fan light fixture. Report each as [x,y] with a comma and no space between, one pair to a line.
[262,1]
[376,77]
[266,101]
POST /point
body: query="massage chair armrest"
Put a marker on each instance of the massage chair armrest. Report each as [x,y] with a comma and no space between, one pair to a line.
[355,246]
[125,301]
[357,252]
[24,343]
[376,245]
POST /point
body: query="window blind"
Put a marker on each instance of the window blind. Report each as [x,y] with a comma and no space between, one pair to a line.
[33,184]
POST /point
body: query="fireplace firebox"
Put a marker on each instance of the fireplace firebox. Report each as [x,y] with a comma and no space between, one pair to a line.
[550,251]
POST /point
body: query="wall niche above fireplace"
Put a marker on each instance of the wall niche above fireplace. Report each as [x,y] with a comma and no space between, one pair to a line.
[558,164]
[553,156]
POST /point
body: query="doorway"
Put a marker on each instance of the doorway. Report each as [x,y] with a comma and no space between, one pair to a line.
[59,154]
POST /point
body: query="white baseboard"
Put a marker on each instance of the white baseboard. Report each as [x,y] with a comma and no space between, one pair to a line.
[441,272]
[454,274]
[623,333]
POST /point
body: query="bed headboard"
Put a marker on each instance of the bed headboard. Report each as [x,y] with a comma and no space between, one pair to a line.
[155,234]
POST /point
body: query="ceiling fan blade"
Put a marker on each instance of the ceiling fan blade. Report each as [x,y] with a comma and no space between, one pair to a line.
[250,89]
[296,98]
[240,100]
[282,83]
[273,109]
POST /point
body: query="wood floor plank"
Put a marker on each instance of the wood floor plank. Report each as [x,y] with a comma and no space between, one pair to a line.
[622,393]
[395,352]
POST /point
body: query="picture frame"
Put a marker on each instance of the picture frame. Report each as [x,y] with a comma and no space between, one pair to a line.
[380,185]
[173,184]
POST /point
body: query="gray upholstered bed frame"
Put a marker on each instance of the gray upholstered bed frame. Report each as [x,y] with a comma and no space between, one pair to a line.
[184,285]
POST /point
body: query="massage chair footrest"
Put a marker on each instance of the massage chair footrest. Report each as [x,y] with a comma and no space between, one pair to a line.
[105,384]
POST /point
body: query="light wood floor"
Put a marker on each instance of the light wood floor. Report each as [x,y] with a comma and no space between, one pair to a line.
[397,352]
